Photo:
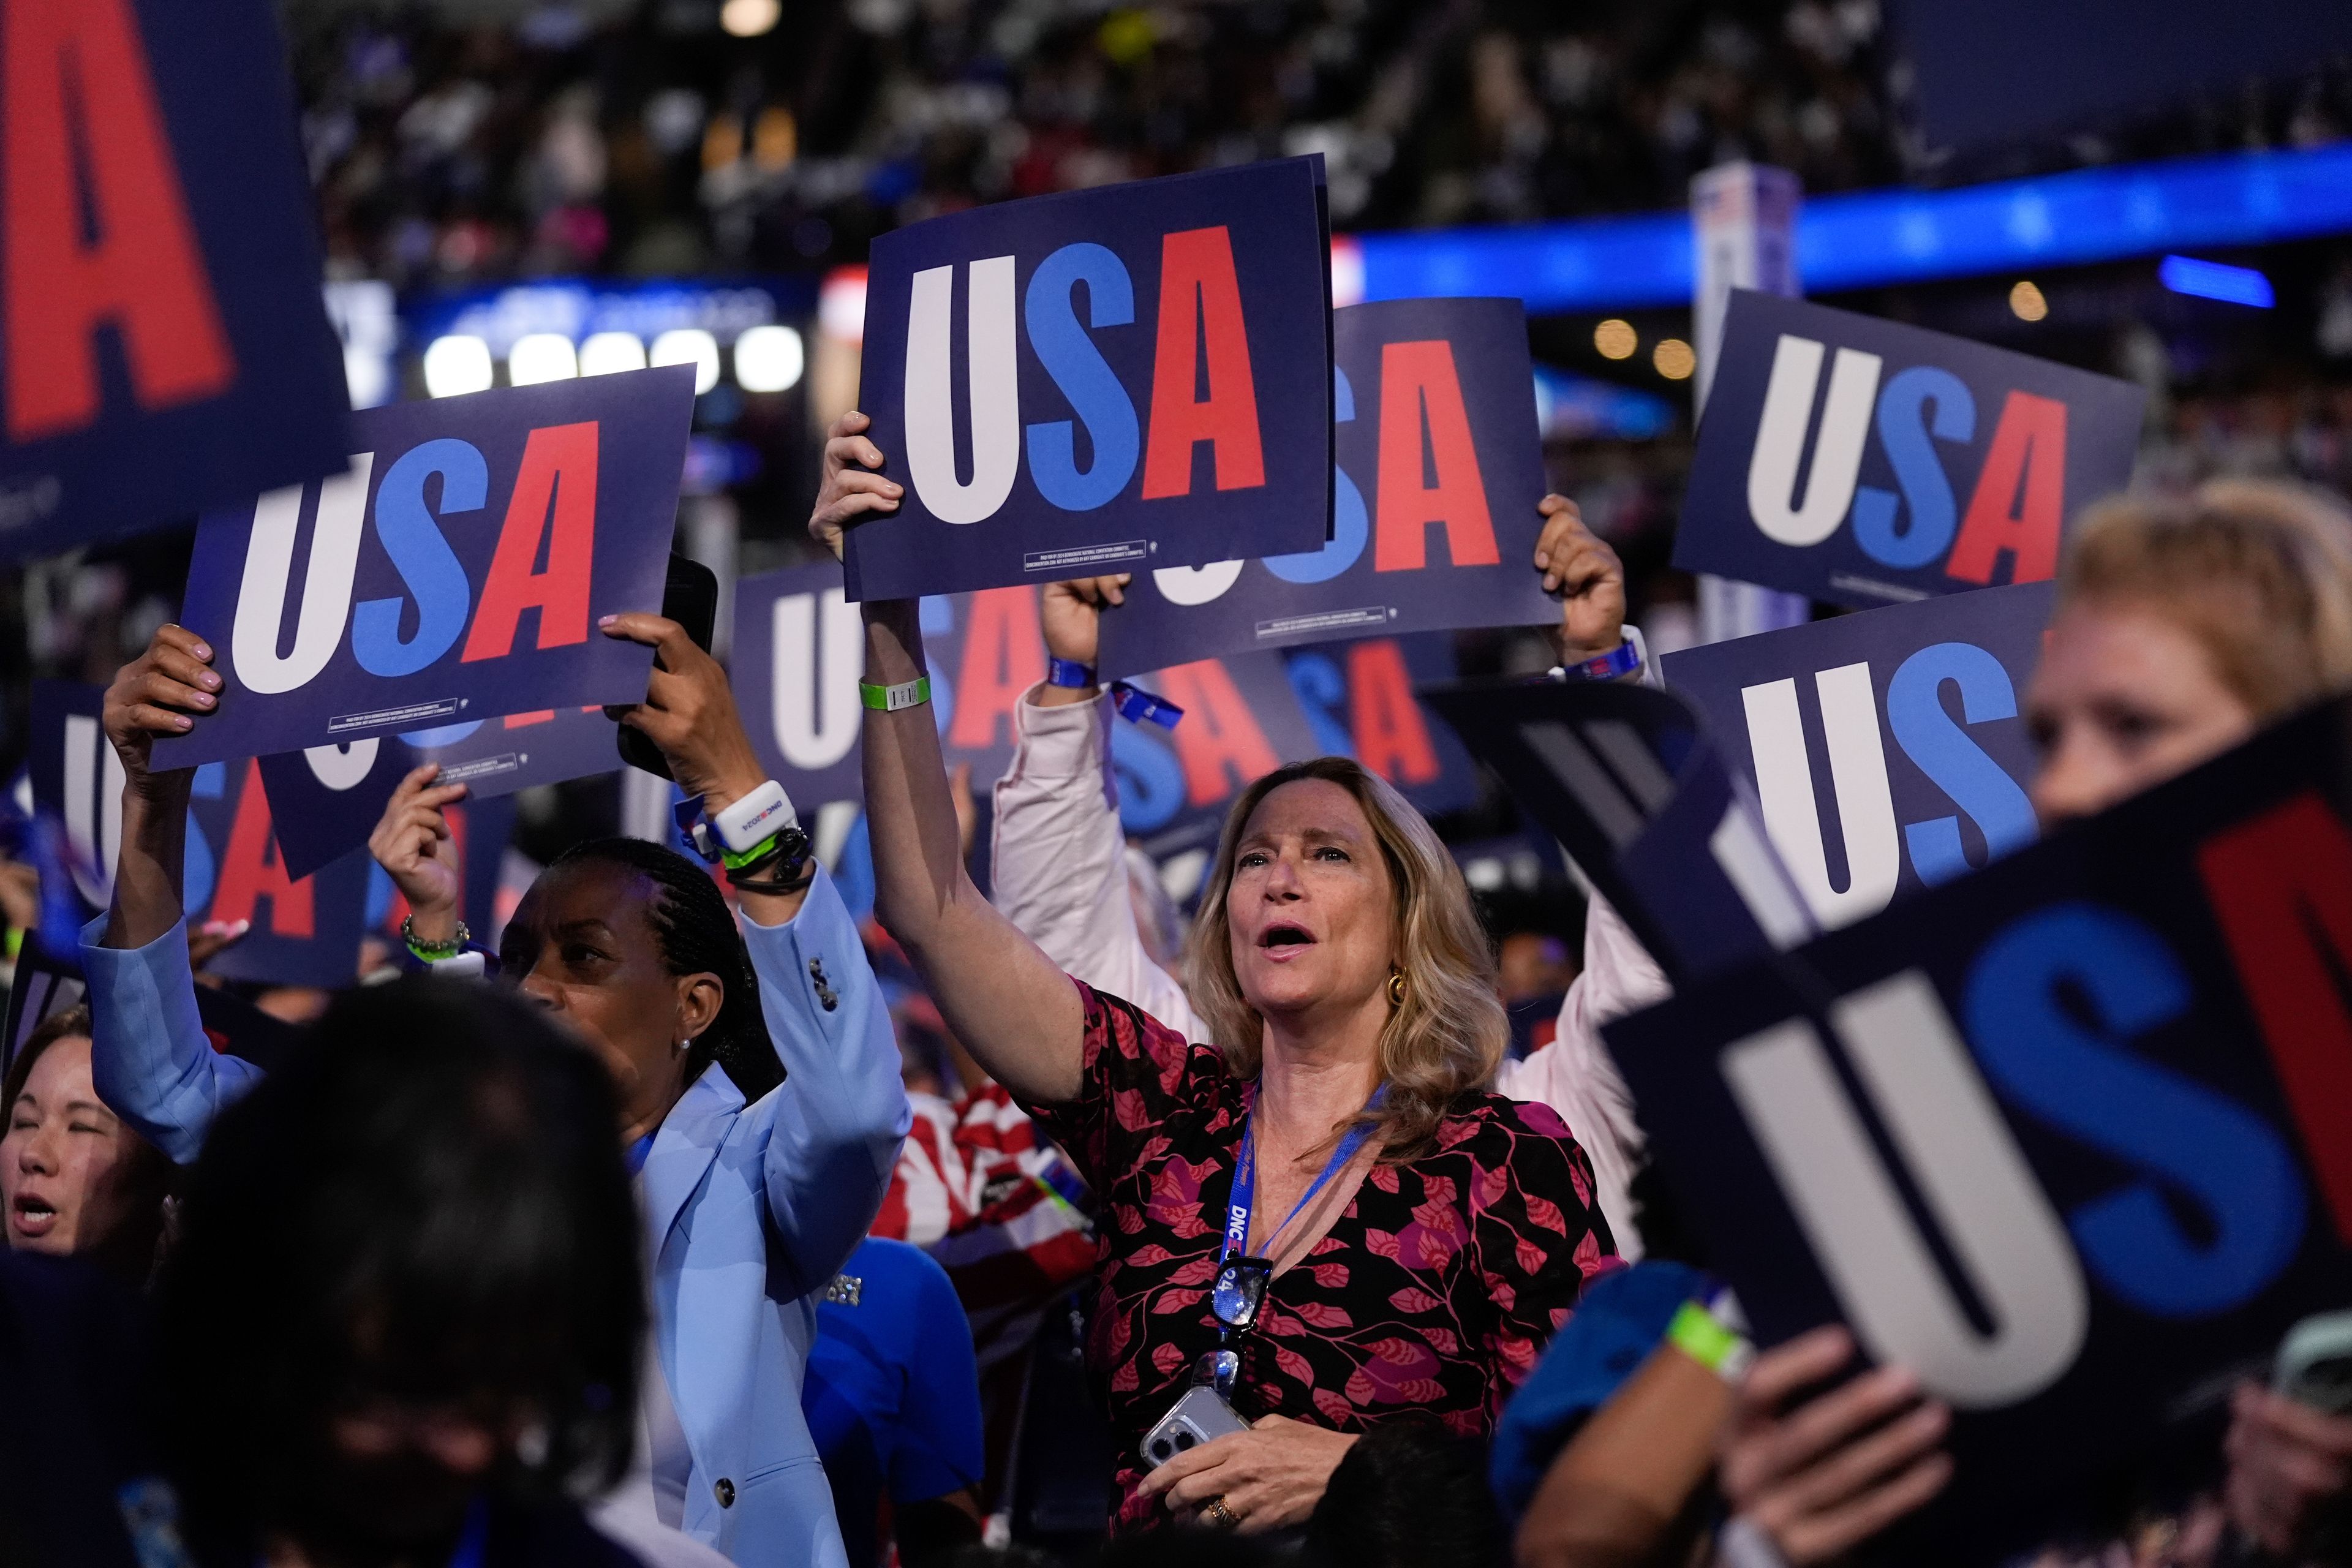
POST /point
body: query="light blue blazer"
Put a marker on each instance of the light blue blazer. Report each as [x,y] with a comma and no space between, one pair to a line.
[751,1209]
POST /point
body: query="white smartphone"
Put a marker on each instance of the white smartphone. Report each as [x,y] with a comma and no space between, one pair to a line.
[1201,1415]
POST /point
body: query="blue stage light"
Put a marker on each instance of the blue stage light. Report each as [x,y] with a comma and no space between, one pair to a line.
[2214,280]
[1868,239]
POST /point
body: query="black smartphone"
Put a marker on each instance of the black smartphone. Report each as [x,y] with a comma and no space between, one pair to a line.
[689,597]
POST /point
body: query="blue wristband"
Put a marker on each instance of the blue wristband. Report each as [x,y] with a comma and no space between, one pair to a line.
[1138,706]
[1617,663]
[1069,674]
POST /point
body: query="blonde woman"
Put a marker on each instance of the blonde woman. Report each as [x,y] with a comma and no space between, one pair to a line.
[1328,1221]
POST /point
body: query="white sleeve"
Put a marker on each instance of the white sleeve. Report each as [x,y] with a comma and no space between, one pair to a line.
[1059,864]
[1576,1076]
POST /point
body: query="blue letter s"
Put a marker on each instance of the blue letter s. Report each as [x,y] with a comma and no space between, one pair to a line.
[1904,432]
[1079,368]
[2086,1083]
[405,524]
[1994,802]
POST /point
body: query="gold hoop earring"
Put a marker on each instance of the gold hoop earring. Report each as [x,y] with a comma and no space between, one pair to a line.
[1396,987]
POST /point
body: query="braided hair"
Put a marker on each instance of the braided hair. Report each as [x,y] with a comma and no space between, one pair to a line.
[697,933]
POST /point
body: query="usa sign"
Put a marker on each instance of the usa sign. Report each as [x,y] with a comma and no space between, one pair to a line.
[1886,748]
[1867,463]
[328,799]
[1167,343]
[1360,702]
[306,929]
[799,647]
[164,343]
[2066,1137]
[457,568]
[1626,778]
[1434,520]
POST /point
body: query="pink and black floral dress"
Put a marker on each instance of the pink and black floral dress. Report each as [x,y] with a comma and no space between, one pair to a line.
[1433,1290]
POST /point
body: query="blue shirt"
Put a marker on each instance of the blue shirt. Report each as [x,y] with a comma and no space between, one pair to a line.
[892,1393]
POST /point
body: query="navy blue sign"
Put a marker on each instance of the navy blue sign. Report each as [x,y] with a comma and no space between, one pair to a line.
[328,799]
[1101,381]
[2111,1070]
[164,344]
[1242,720]
[1433,513]
[1360,702]
[457,569]
[1886,748]
[306,929]
[1867,463]
[1626,778]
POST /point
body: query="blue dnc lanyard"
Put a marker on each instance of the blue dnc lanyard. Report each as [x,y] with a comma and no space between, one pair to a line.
[1242,1281]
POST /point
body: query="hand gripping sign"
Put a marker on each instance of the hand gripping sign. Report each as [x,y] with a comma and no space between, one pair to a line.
[1626,779]
[163,344]
[2066,1137]
[1867,463]
[306,929]
[1100,381]
[1886,748]
[1434,524]
[457,569]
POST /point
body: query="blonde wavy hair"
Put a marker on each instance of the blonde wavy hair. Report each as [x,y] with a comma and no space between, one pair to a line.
[2259,573]
[1448,1034]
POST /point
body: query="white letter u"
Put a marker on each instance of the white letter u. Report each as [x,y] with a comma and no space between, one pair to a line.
[1781,441]
[1866,801]
[994,375]
[1974,1180]
[818,645]
[326,587]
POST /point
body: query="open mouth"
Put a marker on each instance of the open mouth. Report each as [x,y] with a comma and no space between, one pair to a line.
[30,1215]
[1285,938]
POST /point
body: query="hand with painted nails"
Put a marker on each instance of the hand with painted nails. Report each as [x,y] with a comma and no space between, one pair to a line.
[210,939]
[1821,1475]
[161,692]
[847,493]
[413,844]
[1577,565]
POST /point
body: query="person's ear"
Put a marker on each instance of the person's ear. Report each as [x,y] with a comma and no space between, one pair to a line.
[699,997]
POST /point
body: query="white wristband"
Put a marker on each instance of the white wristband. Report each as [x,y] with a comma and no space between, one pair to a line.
[764,812]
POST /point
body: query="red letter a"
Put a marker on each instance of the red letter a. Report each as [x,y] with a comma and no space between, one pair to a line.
[1392,737]
[1199,297]
[251,869]
[1004,656]
[2282,886]
[1219,742]
[1414,376]
[559,462]
[2021,495]
[140,269]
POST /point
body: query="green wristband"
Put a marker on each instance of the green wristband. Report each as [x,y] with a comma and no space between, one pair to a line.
[891,698]
[1700,1335]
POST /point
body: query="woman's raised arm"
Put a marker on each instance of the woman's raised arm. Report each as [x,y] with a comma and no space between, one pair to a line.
[1005,1000]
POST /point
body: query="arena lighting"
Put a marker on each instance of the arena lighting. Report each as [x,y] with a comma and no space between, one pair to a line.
[456,365]
[1674,360]
[768,359]
[541,356]
[2213,281]
[749,18]
[689,345]
[2025,300]
[1870,238]
[1615,339]
[605,352]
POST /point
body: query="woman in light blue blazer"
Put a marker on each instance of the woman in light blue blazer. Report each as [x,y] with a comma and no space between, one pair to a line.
[751,1201]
